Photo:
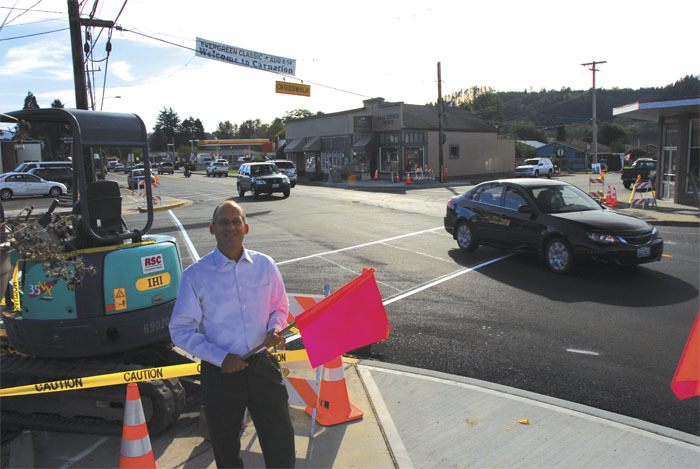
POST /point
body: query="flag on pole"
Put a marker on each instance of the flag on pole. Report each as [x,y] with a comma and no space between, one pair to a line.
[352,317]
[686,381]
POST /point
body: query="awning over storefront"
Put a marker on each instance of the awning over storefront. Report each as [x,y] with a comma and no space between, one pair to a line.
[294,146]
[365,141]
[313,145]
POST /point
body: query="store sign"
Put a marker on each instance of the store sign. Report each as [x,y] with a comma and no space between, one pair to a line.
[292,88]
[244,57]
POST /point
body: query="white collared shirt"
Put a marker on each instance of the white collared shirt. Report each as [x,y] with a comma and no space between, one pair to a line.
[224,306]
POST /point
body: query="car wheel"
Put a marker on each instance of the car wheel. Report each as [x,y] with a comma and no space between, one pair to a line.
[549,174]
[465,237]
[537,174]
[559,256]
[55,191]
[294,184]
[256,194]
[5,194]
[241,192]
[285,193]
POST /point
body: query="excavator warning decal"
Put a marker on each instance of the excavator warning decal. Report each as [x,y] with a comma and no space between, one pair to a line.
[119,299]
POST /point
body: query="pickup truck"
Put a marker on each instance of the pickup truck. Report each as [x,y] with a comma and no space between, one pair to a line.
[218,168]
[644,167]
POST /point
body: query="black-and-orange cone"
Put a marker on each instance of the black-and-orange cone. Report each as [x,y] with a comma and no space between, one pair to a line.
[136,451]
[334,404]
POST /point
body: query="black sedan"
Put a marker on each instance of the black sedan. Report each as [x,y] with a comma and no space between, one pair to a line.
[552,218]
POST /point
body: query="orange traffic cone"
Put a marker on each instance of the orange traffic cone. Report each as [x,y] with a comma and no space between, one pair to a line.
[614,197]
[376,174]
[334,404]
[686,380]
[136,449]
[397,179]
[408,179]
[608,197]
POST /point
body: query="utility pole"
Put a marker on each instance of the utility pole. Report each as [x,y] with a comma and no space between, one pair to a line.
[441,135]
[75,22]
[595,119]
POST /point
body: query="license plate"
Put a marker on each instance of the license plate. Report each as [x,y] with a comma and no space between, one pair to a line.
[644,251]
[275,186]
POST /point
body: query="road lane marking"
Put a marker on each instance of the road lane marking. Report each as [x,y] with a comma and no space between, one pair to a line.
[583,352]
[188,241]
[419,253]
[391,433]
[444,278]
[358,246]
[84,453]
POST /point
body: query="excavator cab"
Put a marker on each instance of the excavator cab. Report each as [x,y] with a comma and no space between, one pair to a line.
[127,303]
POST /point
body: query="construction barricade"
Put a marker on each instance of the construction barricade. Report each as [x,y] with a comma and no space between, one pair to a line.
[640,194]
[596,187]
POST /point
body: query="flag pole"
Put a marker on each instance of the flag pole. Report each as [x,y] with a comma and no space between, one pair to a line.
[312,430]
[261,347]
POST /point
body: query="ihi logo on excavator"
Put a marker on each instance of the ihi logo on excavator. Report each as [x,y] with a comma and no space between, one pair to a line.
[152,263]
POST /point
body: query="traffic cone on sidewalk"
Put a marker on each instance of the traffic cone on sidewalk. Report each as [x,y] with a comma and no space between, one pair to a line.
[608,197]
[614,197]
[136,451]
[408,179]
[334,404]
[376,174]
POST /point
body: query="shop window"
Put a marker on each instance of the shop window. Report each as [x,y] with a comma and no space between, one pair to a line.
[454,152]
[389,160]
[414,159]
[414,138]
[389,138]
[310,164]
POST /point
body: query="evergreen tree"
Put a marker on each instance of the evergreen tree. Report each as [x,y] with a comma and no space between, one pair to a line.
[30,102]
[57,104]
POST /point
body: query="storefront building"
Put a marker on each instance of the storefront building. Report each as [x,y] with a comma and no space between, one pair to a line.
[395,139]
[679,142]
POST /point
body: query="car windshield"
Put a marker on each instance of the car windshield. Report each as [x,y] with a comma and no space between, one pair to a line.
[564,198]
[137,173]
[264,170]
[533,161]
[285,164]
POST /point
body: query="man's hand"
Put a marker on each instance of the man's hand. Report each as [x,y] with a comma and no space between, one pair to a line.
[273,338]
[233,363]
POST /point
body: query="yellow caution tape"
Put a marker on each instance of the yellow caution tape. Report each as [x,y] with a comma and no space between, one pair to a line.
[131,376]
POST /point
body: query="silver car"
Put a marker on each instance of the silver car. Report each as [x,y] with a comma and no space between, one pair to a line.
[25,184]
[288,169]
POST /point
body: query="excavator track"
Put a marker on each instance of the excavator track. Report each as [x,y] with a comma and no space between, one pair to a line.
[94,411]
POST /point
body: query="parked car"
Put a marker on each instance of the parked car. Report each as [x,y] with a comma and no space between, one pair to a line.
[218,168]
[55,173]
[288,168]
[136,176]
[552,218]
[262,178]
[535,167]
[26,166]
[15,184]
[644,167]
[166,167]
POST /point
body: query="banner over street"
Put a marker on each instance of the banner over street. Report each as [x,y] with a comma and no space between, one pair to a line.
[244,57]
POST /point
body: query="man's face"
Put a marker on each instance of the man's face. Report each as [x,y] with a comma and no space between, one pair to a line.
[228,227]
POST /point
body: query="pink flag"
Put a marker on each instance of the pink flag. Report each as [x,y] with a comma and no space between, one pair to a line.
[686,381]
[351,317]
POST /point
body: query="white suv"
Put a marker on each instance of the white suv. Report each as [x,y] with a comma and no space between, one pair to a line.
[535,167]
[287,168]
[218,168]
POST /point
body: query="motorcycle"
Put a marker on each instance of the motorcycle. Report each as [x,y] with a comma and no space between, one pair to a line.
[188,173]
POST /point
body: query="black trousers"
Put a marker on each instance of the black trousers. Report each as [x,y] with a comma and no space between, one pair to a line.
[259,388]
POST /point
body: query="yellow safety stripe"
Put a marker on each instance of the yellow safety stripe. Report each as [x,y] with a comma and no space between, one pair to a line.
[131,376]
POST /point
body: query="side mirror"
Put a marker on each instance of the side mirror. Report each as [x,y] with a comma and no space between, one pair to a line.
[525,209]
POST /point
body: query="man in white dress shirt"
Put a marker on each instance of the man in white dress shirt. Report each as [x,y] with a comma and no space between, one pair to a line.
[229,302]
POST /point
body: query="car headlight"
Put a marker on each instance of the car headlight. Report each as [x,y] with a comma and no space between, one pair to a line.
[285,179]
[654,232]
[602,238]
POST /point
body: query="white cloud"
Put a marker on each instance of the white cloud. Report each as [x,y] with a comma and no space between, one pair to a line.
[46,56]
[121,69]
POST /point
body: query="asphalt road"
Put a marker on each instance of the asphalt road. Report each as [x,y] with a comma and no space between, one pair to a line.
[603,337]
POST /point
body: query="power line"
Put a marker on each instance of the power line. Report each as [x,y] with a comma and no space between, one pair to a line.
[35,34]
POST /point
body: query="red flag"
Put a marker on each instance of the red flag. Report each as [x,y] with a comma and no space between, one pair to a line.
[352,317]
[686,381]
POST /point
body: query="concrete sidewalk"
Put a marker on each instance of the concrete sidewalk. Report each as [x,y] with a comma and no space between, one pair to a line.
[412,418]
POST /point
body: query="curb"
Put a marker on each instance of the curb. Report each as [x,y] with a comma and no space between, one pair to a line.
[160,208]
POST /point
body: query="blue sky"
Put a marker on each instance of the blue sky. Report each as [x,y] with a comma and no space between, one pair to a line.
[346,51]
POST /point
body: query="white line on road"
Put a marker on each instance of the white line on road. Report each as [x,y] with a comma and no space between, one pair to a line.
[444,278]
[357,246]
[583,352]
[84,453]
[188,241]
